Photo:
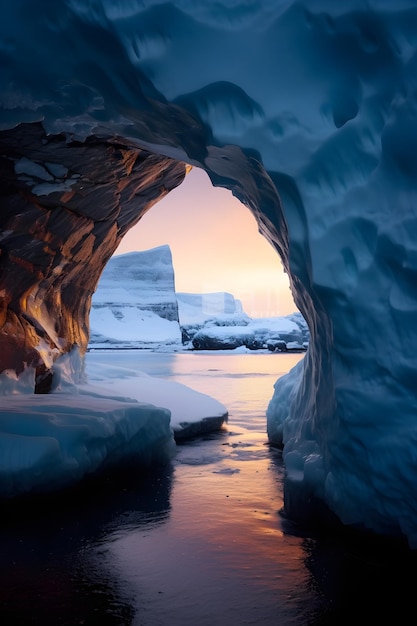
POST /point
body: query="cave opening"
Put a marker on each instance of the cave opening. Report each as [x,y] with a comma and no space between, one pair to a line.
[67,206]
[216,246]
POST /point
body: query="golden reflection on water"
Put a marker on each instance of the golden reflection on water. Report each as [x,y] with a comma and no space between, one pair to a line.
[223,549]
[219,556]
[199,542]
[244,383]
[236,507]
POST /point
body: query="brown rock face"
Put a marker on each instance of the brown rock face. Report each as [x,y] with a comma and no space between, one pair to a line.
[64,208]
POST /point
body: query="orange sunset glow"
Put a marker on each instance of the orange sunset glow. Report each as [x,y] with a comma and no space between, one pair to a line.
[215,246]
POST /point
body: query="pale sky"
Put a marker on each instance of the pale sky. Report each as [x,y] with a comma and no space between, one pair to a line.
[215,246]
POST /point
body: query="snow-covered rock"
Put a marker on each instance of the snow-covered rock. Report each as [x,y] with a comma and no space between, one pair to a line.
[274,333]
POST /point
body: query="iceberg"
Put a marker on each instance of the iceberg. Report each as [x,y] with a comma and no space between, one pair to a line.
[135,304]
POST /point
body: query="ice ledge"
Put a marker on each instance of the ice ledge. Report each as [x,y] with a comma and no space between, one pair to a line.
[50,442]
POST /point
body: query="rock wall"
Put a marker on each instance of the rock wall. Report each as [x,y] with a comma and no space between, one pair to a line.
[65,206]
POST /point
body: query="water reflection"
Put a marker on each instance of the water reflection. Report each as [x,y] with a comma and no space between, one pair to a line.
[354,577]
[222,557]
[201,541]
[53,552]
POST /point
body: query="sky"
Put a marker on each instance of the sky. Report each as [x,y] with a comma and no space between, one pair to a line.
[215,246]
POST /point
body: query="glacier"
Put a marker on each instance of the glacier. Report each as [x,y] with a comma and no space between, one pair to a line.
[306,110]
[135,305]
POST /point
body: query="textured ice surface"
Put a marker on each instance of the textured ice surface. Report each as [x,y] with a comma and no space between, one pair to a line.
[115,419]
[52,441]
[135,300]
[312,102]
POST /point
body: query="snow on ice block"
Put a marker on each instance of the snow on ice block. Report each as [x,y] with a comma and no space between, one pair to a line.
[48,442]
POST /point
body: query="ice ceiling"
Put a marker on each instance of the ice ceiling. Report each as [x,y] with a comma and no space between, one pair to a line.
[307,111]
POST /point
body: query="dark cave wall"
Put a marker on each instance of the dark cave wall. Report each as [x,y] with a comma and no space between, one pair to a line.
[65,207]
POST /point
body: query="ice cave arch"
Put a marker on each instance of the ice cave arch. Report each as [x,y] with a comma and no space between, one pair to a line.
[307,111]
[53,310]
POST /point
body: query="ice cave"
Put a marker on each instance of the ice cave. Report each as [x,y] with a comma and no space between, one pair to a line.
[307,111]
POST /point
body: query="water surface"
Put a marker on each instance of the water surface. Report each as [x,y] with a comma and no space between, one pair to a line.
[200,542]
